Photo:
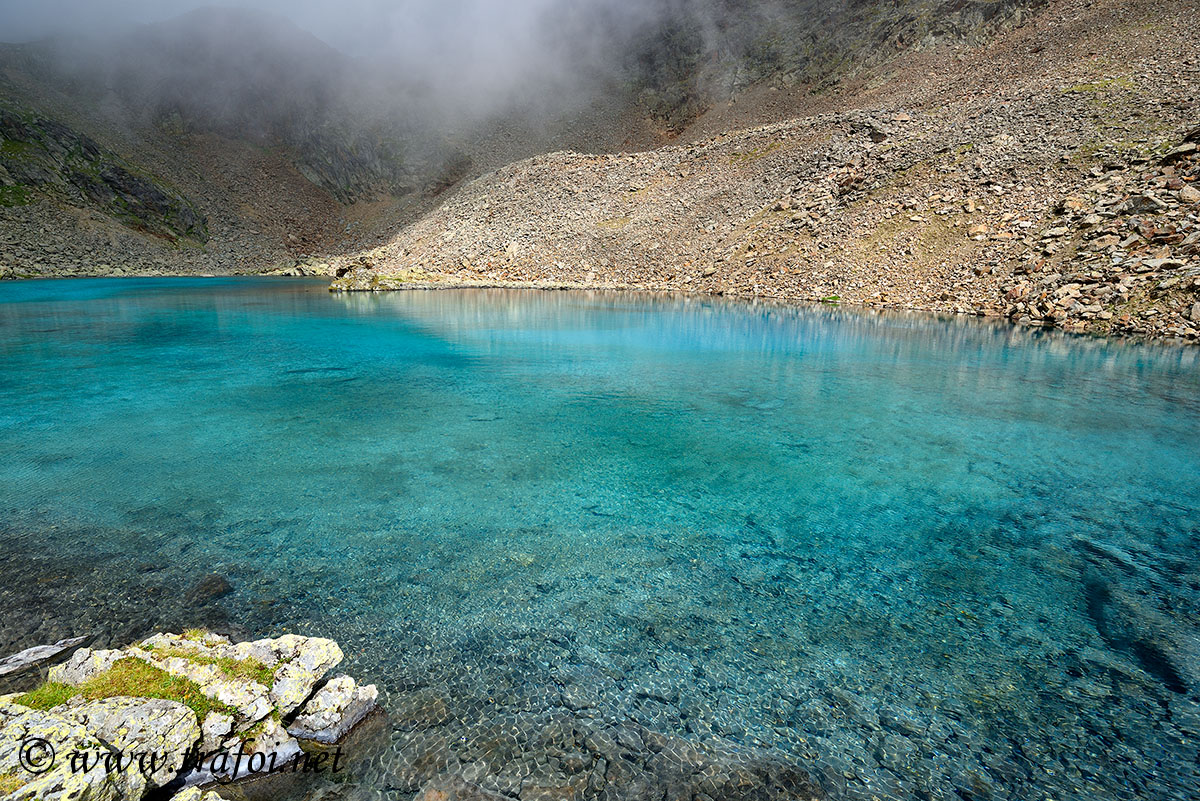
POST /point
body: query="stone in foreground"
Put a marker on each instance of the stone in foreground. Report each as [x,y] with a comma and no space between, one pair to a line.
[336,708]
[140,726]
[33,741]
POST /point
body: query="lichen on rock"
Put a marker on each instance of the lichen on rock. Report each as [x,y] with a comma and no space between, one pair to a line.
[334,710]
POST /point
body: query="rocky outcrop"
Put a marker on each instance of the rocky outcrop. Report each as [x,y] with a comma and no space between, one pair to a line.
[42,155]
[252,686]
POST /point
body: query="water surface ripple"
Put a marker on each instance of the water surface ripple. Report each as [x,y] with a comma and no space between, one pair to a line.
[573,535]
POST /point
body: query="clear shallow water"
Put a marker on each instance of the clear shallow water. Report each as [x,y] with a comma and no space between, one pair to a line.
[915,557]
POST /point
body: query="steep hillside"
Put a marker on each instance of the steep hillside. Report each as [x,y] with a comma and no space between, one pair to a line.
[1042,175]
[233,141]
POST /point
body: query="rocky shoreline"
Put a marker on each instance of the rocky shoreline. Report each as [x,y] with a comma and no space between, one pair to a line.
[175,712]
[1010,180]
[1022,177]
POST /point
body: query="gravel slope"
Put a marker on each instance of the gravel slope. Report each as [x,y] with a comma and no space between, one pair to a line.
[983,180]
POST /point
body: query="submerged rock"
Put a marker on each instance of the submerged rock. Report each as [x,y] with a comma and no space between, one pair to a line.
[1164,648]
[38,656]
[337,708]
[453,788]
[209,588]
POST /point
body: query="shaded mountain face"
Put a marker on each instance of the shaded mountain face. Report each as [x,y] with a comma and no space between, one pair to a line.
[255,77]
[46,155]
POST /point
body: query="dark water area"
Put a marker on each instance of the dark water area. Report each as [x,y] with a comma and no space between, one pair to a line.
[599,545]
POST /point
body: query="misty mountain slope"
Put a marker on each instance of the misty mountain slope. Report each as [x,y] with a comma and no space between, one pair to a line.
[297,155]
[1025,176]
[262,148]
[708,51]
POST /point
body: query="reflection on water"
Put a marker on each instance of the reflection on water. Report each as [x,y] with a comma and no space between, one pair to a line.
[876,546]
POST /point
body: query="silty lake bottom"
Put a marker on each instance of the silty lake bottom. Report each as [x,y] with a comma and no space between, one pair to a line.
[616,546]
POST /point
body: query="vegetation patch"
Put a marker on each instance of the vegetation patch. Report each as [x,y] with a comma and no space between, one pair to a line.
[15,196]
[1102,85]
[128,677]
[48,696]
[413,275]
[250,669]
[13,148]
[750,156]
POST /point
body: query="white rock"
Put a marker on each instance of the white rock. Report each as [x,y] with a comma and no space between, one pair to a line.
[307,660]
[83,665]
[276,747]
[337,708]
[293,685]
[217,726]
[249,698]
[196,794]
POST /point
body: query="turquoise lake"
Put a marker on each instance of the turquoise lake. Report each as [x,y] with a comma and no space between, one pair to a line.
[916,557]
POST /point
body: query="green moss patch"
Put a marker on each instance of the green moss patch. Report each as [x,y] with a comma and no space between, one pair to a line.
[749,156]
[48,696]
[13,148]
[250,669]
[128,677]
[15,196]
[1102,85]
